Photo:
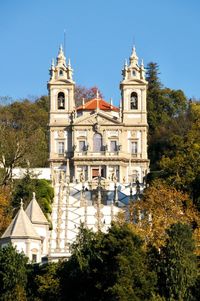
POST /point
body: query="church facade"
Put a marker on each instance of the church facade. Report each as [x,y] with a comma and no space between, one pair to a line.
[98,161]
[98,152]
[97,137]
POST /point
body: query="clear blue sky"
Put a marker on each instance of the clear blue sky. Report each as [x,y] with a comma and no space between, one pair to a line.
[99,36]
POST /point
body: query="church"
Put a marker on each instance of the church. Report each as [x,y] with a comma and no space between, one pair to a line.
[98,161]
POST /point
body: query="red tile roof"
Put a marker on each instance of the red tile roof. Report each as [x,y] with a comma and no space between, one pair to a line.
[97,102]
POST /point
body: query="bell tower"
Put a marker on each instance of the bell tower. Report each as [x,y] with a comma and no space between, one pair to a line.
[61,93]
[134,114]
[61,85]
[133,91]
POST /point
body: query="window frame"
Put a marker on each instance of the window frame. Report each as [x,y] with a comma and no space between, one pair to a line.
[113,150]
[83,146]
[59,101]
[133,147]
[134,96]
[95,149]
[61,150]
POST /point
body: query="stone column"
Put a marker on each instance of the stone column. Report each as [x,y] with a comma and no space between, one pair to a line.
[28,250]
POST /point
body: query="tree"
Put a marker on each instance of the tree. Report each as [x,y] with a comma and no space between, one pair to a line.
[178,263]
[154,95]
[13,277]
[23,136]
[43,282]
[162,103]
[162,206]
[24,190]
[165,109]
[181,165]
[43,103]
[5,209]
[13,147]
[109,266]
[85,93]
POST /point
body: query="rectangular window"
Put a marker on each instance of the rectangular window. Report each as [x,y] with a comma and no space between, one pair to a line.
[134,147]
[82,145]
[95,172]
[61,147]
[34,258]
[113,146]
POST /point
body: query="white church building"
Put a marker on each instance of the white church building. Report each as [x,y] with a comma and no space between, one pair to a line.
[98,162]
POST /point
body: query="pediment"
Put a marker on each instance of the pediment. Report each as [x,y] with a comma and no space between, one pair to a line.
[62,81]
[133,81]
[100,118]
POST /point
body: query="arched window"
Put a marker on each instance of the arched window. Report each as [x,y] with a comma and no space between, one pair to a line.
[61,101]
[61,72]
[97,142]
[133,73]
[134,101]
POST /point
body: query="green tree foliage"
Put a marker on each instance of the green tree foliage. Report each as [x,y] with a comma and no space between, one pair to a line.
[23,135]
[181,165]
[13,276]
[178,264]
[109,266]
[24,190]
[165,109]
[43,282]
[162,103]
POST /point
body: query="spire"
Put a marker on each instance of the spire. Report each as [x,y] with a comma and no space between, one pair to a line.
[21,204]
[125,64]
[97,96]
[70,70]
[61,60]
[61,50]
[125,69]
[21,226]
[133,57]
[35,213]
[142,70]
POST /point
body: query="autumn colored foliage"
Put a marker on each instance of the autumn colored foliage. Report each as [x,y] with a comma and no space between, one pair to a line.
[161,207]
[5,209]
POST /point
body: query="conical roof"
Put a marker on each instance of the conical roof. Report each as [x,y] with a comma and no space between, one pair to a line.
[35,213]
[20,227]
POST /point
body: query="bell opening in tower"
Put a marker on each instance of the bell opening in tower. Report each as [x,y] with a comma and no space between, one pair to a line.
[61,101]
